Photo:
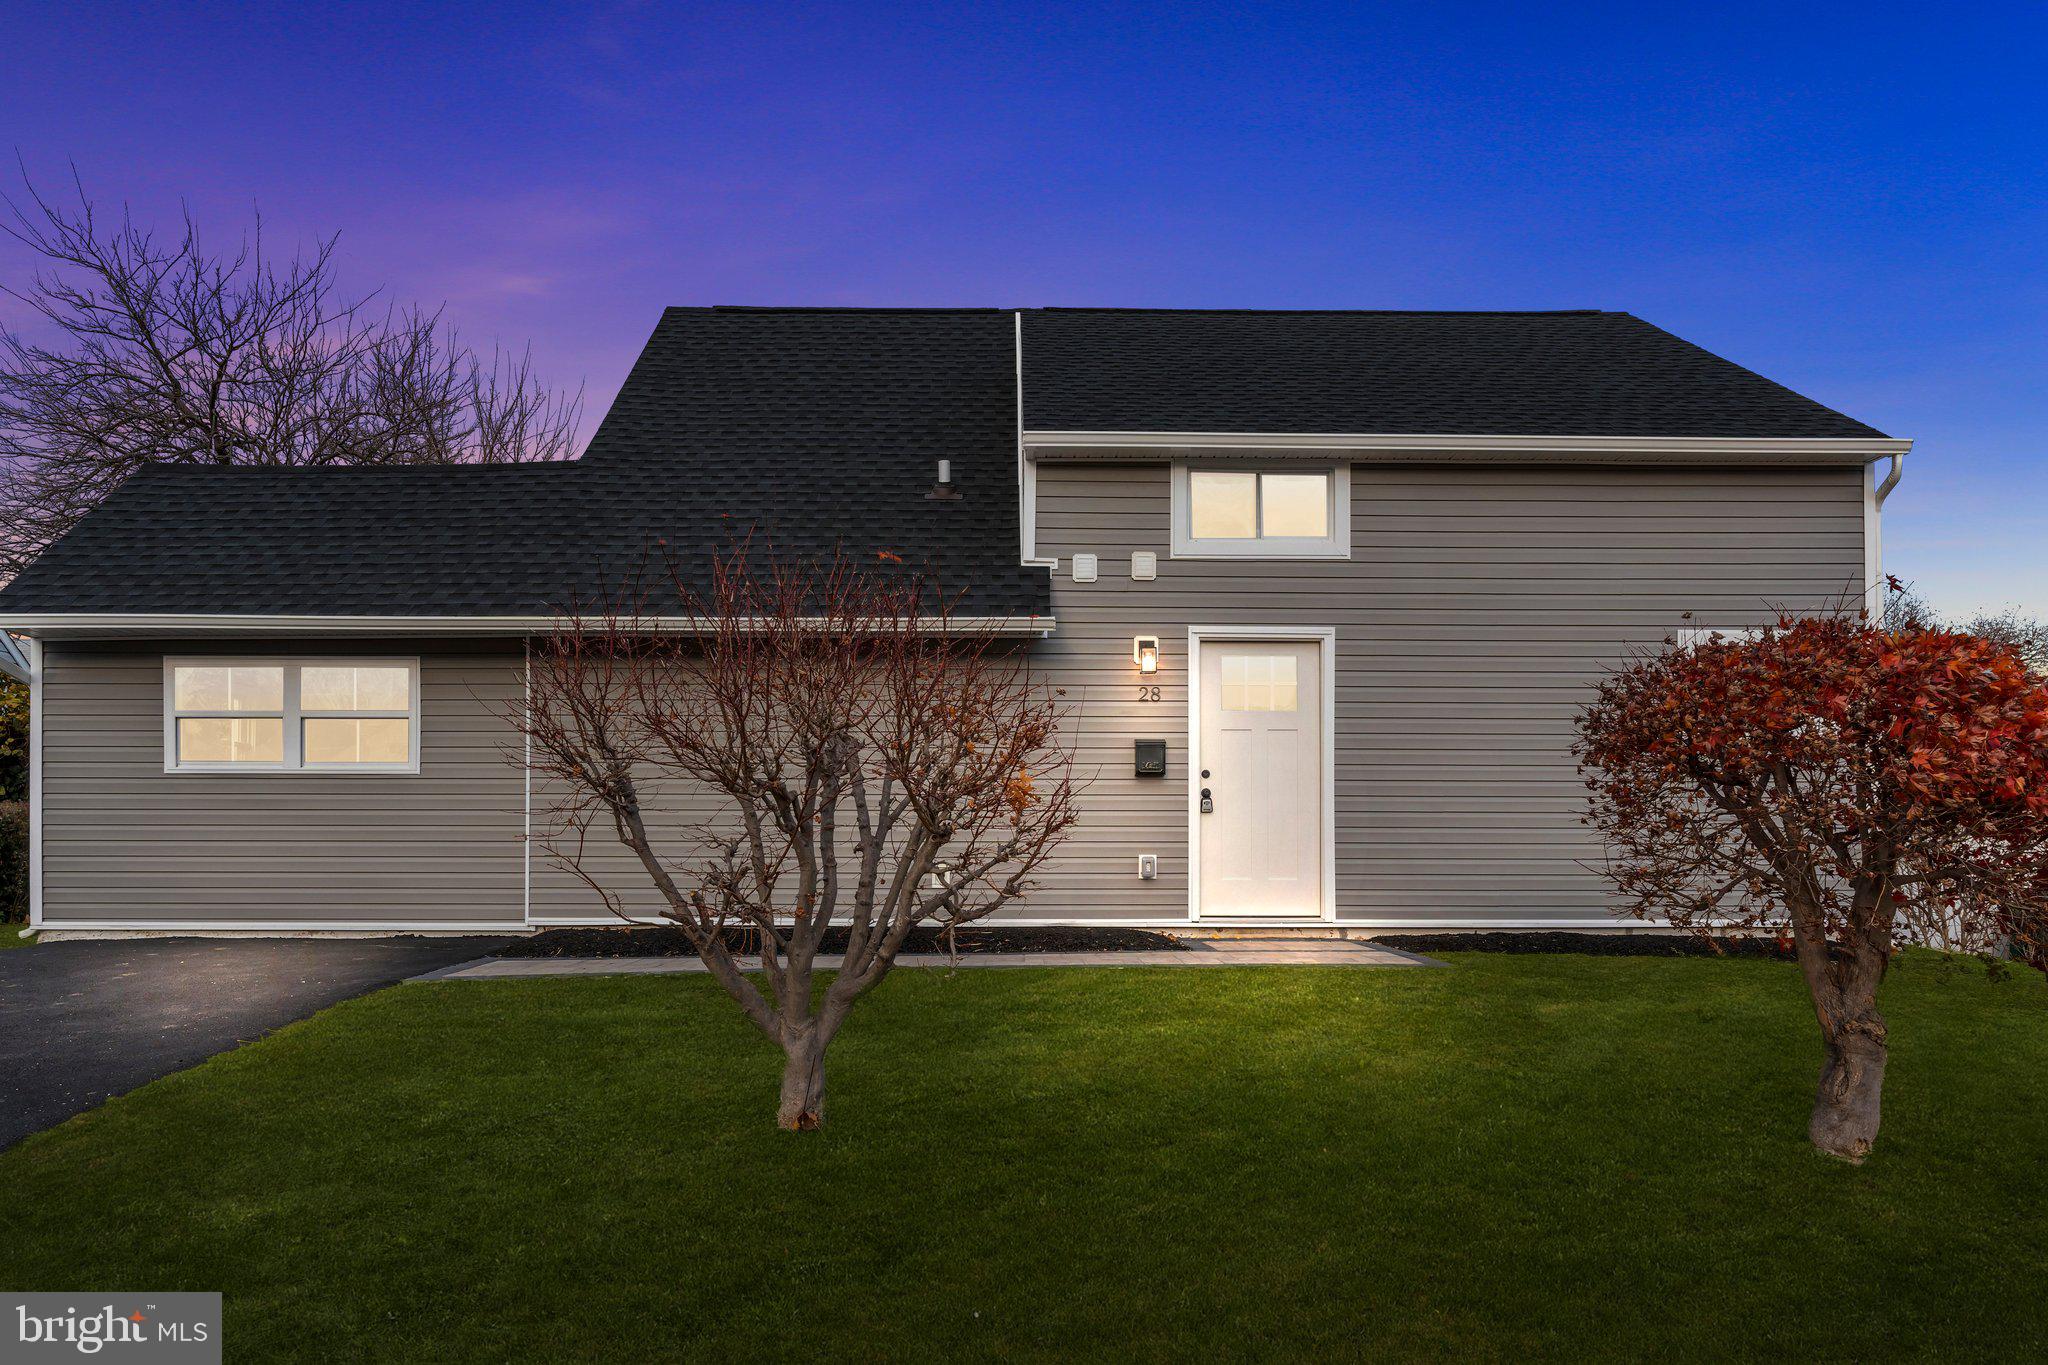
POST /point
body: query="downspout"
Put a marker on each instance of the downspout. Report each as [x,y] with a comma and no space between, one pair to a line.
[1027,474]
[1873,537]
[1026,532]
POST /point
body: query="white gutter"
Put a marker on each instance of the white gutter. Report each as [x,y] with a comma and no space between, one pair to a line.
[56,625]
[1427,446]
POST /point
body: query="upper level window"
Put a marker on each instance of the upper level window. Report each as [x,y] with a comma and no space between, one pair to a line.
[1282,513]
[284,715]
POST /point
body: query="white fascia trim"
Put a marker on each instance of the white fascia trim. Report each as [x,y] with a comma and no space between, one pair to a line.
[1416,446]
[53,625]
[1326,636]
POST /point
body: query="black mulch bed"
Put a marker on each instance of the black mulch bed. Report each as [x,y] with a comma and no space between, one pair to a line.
[656,941]
[1592,945]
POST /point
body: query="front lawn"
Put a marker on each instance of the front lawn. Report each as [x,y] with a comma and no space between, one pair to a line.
[1519,1155]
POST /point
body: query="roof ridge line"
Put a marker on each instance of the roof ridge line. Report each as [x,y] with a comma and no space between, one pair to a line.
[1351,312]
[980,309]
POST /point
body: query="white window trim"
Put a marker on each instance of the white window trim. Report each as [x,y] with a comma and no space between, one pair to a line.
[1336,545]
[294,716]
[1326,638]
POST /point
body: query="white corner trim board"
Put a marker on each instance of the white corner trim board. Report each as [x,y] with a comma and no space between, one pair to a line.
[36,689]
[526,785]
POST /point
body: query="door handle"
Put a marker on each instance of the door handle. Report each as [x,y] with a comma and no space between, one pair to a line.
[1208,806]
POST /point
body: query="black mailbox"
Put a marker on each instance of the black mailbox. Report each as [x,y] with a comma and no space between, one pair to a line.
[1151,758]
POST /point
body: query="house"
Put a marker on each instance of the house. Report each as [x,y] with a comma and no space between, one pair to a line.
[1325,590]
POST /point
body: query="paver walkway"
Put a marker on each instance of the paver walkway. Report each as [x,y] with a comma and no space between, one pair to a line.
[1235,952]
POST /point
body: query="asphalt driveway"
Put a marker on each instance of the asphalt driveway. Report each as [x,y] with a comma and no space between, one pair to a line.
[82,1021]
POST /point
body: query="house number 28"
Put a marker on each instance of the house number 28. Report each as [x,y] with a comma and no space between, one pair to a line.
[1148,694]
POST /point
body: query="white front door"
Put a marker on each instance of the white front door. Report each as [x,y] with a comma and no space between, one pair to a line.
[1260,767]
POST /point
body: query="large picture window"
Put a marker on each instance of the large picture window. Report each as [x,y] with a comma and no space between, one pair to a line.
[291,715]
[1282,513]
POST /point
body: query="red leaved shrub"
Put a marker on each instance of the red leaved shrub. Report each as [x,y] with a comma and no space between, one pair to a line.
[1840,786]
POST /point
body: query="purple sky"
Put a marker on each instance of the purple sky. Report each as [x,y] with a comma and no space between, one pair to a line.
[1850,199]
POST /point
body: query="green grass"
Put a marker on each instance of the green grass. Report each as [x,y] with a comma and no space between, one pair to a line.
[1517,1156]
[10,937]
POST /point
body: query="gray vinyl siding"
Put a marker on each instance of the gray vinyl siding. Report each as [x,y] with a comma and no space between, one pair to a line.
[123,840]
[677,812]
[1478,605]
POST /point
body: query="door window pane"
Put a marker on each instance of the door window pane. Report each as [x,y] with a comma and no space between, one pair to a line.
[210,688]
[226,739]
[1294,505]
[1259,682]
[337,740]
[1222,506]
[355,689]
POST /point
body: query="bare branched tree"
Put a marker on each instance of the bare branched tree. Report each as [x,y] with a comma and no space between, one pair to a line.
[2027,634]
[877,767]
[1904,608]
[165,351]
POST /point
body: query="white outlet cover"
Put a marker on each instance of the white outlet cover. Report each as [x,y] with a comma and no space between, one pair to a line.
[1148,866]
[1084,568]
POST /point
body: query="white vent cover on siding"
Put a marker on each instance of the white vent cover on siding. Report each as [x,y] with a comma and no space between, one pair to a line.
[1144,566]
[1084,568]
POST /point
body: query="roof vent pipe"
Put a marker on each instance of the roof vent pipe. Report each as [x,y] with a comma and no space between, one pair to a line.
[943,490]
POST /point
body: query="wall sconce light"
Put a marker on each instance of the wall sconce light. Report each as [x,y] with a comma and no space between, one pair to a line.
[1145,653]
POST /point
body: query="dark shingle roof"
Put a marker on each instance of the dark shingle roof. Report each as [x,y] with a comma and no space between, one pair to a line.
[1551,374]
[815,428]
[822,428]
[447,540]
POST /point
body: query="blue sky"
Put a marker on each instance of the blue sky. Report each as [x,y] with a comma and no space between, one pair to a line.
[1850,199]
